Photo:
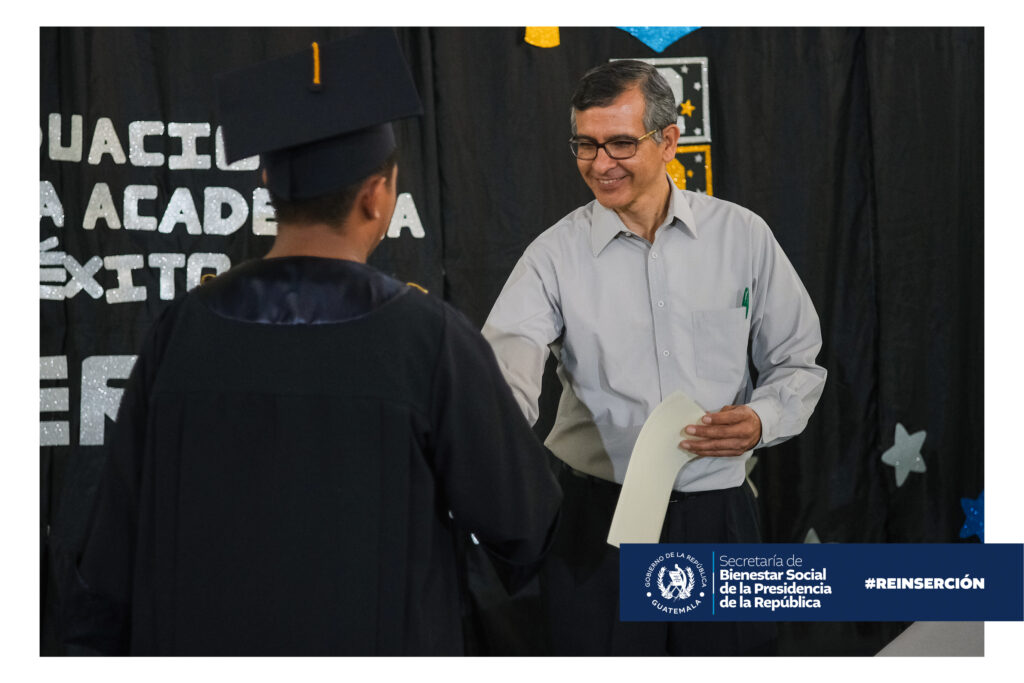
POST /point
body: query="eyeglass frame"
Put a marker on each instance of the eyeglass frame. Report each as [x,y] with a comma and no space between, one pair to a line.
[599,146]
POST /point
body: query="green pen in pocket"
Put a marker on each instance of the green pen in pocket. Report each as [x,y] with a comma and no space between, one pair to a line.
[746,302]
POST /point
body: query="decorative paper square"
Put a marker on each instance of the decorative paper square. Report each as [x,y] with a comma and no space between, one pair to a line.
[691,169]
[688,78]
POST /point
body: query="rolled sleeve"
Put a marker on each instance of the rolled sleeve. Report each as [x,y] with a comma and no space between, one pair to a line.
[785,341]
[525,319]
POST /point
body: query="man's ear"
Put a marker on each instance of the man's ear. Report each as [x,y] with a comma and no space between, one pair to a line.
[669,140]
[372,198]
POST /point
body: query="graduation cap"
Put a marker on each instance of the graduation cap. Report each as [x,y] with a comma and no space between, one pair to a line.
[320,118]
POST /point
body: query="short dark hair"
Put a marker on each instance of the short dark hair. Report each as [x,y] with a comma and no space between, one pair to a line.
[601,85]
[331,208]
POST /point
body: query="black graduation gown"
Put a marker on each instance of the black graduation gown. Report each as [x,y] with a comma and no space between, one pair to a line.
[292,447]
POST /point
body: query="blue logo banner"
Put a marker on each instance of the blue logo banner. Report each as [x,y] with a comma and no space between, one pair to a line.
[821,582]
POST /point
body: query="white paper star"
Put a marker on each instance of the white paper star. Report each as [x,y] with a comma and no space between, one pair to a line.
[699,158]
[686,69]
[696,131]
[696,86]
[905,453]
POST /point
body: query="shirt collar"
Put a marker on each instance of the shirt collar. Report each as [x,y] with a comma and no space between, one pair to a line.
[606,224]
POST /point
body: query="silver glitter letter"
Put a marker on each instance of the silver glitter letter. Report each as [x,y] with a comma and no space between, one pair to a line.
[49,203]
[214,220]
[200,260]
[104,141]
[263,221]
[138,131]
[126,290]
[246,164]
[100,401]
[82,277]
[181,209]
[49,273]
[73,152]
[133,194]
[406,216]
[54,400]
[101,205]
[166,263]
[189,157]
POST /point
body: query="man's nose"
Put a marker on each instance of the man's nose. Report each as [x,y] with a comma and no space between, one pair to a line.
[602,161]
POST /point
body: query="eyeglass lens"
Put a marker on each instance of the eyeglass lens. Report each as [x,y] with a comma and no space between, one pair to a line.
[616,149]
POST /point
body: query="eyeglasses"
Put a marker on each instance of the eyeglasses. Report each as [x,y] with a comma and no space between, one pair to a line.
[620,148]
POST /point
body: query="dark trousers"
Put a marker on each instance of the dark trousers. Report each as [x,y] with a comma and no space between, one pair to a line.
[580,579]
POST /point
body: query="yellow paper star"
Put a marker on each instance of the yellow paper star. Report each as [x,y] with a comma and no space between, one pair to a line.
[687,108]
[542,36]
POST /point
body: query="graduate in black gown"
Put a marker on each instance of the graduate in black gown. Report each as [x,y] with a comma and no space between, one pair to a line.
[302,436]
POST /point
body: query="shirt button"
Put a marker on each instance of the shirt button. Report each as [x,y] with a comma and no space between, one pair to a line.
[665,353]
[654,254]
[661,304]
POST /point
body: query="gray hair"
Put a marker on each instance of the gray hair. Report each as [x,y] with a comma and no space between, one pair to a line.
[601,85]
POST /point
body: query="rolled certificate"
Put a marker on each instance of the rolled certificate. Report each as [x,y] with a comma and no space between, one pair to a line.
[653,468]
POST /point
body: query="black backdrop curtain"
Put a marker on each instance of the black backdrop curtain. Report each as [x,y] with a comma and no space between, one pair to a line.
[861,148]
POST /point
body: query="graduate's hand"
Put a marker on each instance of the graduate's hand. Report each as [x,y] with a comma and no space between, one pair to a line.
[731,431]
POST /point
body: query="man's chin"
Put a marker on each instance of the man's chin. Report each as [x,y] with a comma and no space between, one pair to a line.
[609,200]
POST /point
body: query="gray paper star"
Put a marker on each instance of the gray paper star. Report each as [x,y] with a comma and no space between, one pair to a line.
[905,453]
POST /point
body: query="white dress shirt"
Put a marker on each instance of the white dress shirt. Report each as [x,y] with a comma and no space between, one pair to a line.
[631,322]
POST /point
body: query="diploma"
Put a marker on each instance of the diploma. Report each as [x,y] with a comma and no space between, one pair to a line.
[653,468]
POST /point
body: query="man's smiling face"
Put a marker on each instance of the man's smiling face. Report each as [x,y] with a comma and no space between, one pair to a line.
[618,183]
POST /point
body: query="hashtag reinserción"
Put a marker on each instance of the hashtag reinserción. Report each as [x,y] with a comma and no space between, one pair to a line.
[917,583]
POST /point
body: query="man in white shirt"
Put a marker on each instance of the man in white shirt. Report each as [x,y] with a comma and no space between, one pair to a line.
[645,291]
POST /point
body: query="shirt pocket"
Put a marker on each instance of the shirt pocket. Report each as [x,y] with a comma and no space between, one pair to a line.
[720,344]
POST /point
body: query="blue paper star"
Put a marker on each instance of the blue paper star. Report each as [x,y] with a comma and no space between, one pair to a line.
[658,37]
[974,511]
[905,453]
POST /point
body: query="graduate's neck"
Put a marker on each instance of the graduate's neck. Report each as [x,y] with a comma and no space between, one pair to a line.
[354,241]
